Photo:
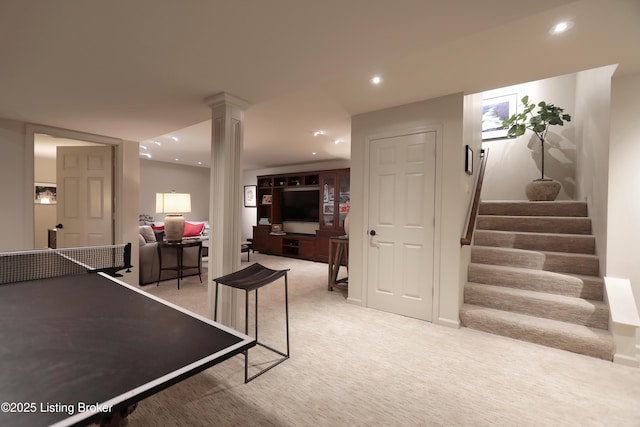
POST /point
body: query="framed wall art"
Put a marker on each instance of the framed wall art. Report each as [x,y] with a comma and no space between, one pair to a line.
[494,112]
[44,193]
[468,161]
[250,198]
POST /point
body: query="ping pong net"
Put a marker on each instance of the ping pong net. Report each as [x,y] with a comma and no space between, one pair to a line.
[20,266]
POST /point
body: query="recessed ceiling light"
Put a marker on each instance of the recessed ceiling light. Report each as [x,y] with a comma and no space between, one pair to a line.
[318,133]
[177,160]
[157,143]
[337,141]
[147,155]
[314,153]
[199,163]
[376,80]
[561,27]
[144,147]
[175,138]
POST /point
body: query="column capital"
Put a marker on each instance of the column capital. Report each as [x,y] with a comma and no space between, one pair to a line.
[223,98]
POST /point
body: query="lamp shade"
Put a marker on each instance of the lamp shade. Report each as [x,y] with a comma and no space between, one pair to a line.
[173,203]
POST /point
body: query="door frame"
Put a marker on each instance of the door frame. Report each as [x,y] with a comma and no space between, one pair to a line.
[118,167]
[439,161]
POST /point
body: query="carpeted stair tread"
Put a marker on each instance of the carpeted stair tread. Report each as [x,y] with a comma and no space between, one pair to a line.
[594,314]
[559,262]
[557,242]
[573,285]
[552,333]
[526,208]
[541,224]
[533,276]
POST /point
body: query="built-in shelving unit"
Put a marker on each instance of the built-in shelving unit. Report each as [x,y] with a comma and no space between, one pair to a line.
[333,203]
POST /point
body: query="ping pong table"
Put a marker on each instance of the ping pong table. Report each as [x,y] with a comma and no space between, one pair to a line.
[76,348]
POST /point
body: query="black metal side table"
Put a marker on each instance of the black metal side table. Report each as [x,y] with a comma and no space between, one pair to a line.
[249,279]
[180,266]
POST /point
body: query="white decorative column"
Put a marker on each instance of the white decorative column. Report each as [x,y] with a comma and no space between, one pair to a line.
[225,198]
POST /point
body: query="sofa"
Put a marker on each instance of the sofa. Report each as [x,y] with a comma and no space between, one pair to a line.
[149,262]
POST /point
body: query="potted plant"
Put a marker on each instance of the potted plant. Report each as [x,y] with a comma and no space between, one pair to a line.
[548,115]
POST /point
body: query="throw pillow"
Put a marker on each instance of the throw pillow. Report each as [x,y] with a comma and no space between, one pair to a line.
[159,235]
[192,230]
[147,232]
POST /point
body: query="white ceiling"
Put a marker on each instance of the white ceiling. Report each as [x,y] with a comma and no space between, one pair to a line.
[139,70]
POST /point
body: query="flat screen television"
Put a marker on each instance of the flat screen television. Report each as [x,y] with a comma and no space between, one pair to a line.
[301,205]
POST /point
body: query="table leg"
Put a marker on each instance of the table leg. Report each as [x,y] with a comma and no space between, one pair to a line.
[246,332]
[215,305]
[336,264]
[330,263]
[179,261]
[286,308]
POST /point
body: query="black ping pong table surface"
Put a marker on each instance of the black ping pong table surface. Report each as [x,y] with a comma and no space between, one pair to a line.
[74,348]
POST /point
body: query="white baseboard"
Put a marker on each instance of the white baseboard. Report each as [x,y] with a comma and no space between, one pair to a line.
[626,360]
[448,323]
[354,301]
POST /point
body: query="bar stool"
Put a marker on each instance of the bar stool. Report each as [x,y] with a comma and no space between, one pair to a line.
[253,278]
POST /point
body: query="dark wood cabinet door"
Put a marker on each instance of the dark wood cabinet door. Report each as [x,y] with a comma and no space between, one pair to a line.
[261,238]
[307,249]
[335,199]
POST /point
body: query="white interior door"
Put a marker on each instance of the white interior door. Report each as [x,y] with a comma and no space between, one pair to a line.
[85,196]
[400,256]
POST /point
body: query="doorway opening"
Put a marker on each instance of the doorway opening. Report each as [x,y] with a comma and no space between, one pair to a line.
[92,194]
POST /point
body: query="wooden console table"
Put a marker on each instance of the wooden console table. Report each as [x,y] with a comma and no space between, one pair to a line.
[338,250]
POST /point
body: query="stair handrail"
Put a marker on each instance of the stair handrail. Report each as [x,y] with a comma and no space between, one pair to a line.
[466,239]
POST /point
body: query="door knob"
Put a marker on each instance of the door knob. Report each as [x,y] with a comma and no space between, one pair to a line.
[372,241]
[59,226]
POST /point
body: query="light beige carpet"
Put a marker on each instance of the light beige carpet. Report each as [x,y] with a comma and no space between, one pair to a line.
[353,366]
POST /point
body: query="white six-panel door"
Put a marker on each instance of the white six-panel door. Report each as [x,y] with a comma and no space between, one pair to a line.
[401,219]
[85,196]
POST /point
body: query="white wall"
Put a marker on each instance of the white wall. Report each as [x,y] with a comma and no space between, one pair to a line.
[623,222]
[446,112]
[513,163]
[472,136]
[593,100]
[162,177]
[44,216]
[127,193]
[16,212]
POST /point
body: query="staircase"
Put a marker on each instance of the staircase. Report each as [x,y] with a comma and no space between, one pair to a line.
[534,276]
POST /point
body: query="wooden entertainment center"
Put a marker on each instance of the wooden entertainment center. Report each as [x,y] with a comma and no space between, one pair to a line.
[332,187]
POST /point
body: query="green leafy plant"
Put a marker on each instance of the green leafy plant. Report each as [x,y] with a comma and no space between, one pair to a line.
[539,123]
